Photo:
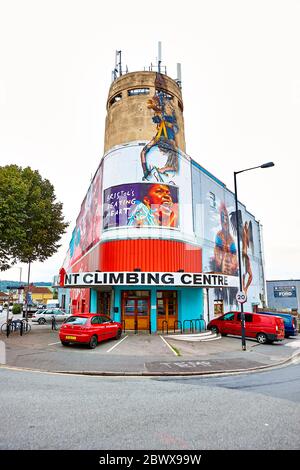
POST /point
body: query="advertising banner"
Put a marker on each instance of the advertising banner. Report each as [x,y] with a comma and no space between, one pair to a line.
[141,204]
[285,291]
[88,279]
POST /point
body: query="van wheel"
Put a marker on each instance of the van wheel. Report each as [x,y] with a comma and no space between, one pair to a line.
[214,329]
[262,338]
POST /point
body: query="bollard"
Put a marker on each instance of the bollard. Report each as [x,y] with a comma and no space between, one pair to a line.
[21,329]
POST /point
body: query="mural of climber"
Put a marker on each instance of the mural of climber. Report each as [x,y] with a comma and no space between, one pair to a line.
[159,157]
[225,252]
[246,234]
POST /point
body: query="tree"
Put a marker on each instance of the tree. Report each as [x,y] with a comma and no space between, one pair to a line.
[31,220]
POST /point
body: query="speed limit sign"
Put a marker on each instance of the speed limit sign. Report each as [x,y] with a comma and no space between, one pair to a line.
[241,297]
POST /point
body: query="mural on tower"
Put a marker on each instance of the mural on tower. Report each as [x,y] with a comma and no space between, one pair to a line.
[159,157]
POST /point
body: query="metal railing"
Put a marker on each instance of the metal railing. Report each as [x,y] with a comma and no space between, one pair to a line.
[191,325]
[177,323]
[163,327]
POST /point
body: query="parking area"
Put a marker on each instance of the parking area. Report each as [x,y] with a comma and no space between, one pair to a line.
[141,353]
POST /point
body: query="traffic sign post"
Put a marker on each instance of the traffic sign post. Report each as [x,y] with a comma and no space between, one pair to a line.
[241,297]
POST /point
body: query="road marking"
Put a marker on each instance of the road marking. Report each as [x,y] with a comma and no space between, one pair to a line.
[173,350]
[116,344]
[51,344]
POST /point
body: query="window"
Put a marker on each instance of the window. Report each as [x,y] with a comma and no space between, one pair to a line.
[115,99]
[95,321]
[212,200]
[76,320]
[166,95]
[138,91]
[248,317]
[228,317]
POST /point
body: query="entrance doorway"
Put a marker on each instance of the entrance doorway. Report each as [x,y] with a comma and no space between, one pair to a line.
[167,308]
[135,310]
[104,303]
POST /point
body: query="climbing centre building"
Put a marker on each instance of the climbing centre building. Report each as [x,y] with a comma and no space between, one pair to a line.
[155,241]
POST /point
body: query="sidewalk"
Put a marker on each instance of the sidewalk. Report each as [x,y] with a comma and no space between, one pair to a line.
[143,354]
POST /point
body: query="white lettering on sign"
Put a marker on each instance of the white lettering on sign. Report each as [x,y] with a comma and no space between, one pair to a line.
[90,279]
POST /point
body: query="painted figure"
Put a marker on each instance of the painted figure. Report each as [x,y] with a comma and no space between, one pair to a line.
[225,253]
[247,240]
[156,208]
[165,140]
[246,232]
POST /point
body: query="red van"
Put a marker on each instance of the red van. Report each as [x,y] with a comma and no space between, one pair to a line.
[265,328]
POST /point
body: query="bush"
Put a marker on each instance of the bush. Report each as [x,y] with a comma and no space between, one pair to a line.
[16,309]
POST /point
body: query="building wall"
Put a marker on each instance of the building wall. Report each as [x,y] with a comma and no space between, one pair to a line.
[145,155]
[284,294]
[211,200]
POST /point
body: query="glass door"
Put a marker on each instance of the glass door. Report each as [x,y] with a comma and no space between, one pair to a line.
[135,311]
[167,308]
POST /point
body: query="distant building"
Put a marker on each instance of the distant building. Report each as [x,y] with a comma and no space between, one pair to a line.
[284,294]
[39,295]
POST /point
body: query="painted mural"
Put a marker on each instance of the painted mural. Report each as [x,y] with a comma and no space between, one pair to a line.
[246,233]
[225,258]
[225,252]
[141,204]
[159,158]
[89,222]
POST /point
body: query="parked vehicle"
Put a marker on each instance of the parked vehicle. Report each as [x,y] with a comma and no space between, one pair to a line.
[52,303]
[265,328]
[290,322]
[89,328]
[45,316]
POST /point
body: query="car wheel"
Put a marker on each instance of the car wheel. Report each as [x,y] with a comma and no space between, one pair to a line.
[262,338]
[214,329]
[93,342]
[65,343]
[118,335]
[41,321]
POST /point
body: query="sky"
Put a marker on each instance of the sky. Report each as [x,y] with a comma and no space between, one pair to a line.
[241,92]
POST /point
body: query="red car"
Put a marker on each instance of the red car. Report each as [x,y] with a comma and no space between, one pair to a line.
[264,328]
[89,328]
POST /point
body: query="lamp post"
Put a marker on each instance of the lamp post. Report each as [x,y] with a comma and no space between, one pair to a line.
[264,165]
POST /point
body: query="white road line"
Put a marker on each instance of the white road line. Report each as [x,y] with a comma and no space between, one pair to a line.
[51,344]
[173,350]
[116,344]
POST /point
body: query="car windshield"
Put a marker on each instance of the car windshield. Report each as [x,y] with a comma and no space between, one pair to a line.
[77,320]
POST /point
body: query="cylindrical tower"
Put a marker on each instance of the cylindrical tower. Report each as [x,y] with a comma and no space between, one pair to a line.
[131,103]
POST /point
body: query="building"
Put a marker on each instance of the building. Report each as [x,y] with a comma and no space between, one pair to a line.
[284,294]
[38,295]
[155,240]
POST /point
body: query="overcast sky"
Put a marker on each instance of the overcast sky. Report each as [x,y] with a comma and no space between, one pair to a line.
[241,91]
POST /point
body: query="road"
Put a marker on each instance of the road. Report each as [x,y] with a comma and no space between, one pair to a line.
[253,411]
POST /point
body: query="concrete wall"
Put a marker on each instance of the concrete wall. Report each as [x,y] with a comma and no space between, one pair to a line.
[130,119]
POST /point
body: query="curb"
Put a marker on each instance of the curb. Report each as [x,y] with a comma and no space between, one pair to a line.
[155,374]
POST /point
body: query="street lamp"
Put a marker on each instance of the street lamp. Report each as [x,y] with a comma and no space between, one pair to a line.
[264,165]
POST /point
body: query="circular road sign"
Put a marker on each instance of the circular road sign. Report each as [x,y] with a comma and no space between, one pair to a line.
[241,297]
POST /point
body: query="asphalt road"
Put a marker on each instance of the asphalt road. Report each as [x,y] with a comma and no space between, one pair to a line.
[253,411]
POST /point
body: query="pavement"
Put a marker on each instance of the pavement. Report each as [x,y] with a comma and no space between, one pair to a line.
[143,354]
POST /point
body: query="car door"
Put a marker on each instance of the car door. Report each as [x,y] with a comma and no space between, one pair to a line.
[228,322]
[97,328]
[59,315]
[110,327]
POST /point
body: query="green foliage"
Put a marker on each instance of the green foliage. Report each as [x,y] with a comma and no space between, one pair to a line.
[16,309]
[31,220]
